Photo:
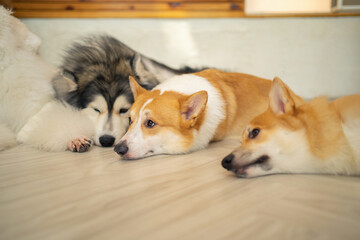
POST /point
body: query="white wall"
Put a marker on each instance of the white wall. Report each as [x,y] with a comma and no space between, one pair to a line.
[288,6]
[315,56]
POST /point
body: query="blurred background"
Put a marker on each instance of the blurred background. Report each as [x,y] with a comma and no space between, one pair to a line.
[314,46]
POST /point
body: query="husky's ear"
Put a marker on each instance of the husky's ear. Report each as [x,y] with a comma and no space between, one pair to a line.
[136,89]
[192,107]
[63,83]
[282,98]
[150,71]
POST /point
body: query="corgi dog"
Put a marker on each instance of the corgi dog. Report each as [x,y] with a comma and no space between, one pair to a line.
[186,112]
[295,136]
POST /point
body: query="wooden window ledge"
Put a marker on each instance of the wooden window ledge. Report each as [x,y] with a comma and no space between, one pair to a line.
[141,9]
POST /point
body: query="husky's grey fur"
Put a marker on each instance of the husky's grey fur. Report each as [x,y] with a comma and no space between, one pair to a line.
[95,78]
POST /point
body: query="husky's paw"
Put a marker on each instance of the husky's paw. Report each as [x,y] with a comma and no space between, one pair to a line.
[80,145]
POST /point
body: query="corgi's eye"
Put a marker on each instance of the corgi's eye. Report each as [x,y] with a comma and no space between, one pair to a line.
[123,110]
[96,110]
[130,122]
[150,124]
[253,134]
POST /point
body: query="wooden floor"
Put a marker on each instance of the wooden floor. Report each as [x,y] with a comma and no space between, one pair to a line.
[96,195]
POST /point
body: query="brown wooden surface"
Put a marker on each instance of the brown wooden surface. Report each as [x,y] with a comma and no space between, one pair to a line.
[117,1]
[128,8]
[140,9]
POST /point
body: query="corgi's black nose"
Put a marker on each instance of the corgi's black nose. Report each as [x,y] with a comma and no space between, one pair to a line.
[121,148]
[227,161]
[106,140]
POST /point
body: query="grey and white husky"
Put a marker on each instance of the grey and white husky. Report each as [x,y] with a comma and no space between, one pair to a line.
[95,78]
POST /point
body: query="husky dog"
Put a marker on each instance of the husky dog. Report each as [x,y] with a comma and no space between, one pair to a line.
[95,78]
[29,112]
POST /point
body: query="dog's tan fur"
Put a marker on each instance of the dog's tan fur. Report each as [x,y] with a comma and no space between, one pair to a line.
[181,113]
[301,137]
[245,96]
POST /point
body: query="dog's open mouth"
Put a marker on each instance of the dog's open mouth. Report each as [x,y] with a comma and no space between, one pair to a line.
[241,170]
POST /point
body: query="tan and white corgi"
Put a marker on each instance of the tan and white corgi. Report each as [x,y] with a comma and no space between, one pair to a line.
[186,112]
[294,136]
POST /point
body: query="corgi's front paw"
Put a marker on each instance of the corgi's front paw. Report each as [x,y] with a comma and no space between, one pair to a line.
[80,145]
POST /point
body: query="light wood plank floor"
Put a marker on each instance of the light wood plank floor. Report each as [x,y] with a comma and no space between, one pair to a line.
[96,195]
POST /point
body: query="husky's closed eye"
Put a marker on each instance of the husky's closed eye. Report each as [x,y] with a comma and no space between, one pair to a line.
[110,119]
[123,110]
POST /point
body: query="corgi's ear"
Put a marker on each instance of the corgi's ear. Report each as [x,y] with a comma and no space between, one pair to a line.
[281,98]
[136,89]
[192,107]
